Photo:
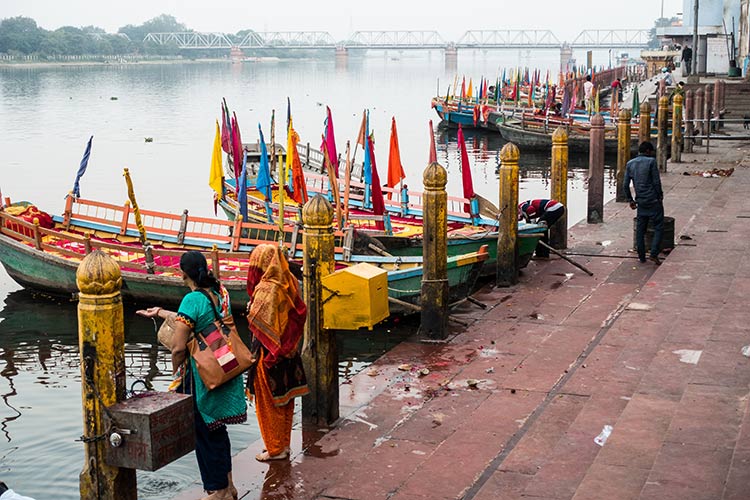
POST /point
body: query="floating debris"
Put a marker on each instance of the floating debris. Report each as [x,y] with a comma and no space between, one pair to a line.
[148,139]
[113,98]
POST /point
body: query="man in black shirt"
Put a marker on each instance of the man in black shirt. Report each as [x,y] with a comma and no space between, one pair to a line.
[644,174]
[687,59]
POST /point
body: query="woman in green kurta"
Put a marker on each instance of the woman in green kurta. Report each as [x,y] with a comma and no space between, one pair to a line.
[214,409]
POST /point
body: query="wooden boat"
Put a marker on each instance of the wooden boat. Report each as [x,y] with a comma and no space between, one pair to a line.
[46,258]
[538,135]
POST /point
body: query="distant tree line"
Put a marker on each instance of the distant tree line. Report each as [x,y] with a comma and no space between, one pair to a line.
[21,36]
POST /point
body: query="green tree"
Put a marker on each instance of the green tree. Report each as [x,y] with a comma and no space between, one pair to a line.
[161,24]
[20,34]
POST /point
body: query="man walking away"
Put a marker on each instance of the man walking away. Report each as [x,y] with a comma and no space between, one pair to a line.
[644,174]
[687,59]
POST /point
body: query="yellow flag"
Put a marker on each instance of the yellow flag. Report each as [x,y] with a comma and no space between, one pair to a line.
[470,91]
[216,177]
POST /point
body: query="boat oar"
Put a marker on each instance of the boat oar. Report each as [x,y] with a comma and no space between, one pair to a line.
[147,248]
[565,257]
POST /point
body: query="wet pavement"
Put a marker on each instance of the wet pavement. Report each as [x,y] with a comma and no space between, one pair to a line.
[510,406]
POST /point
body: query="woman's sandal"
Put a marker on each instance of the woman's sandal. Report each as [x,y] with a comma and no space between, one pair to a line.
[265,457]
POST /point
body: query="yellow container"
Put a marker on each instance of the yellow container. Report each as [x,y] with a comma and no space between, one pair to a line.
[355,297]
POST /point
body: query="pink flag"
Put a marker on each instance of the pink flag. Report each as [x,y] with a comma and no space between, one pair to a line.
[378,204]
[329,142]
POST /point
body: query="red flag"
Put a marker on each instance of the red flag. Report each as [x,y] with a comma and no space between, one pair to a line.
[378,204]
[433,151]
[395,168]
[237,149]
[362,127]
[465,167]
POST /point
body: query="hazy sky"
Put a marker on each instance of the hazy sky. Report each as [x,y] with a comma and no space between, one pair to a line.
[566,18]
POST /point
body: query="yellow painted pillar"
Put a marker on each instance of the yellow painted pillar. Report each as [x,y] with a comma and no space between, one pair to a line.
[677,129]
[644,123]
[101,338]
[507,241]
[434,297]
[558,233]
[623,151]
[319,354]
[661,127]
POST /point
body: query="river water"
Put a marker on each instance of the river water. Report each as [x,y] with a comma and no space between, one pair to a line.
[48,113]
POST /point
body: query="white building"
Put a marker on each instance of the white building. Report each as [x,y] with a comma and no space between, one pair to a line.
[720,23]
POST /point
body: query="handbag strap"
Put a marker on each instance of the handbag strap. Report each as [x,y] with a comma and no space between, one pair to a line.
[213,306]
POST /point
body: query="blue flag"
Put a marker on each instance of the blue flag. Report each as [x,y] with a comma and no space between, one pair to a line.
[82,169]
[263,180]
[242,190]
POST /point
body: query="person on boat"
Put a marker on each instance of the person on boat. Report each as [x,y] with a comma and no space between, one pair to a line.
[543,212]
[214,408]
[276,316]
[588,94]
[644,175]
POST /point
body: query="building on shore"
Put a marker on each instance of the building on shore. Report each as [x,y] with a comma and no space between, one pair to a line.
[720,41]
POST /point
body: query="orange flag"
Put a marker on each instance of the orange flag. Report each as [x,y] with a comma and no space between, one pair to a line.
[395,168]
[362,127]
[299,187]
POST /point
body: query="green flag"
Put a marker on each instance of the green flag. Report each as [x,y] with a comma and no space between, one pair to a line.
[636,102]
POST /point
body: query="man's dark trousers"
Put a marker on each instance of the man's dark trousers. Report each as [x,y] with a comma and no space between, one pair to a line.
[655,214]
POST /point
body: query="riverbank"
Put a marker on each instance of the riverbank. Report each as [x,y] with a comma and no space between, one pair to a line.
[627,384]
[116,62]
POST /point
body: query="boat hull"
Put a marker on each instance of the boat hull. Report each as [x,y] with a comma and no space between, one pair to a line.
[531,139]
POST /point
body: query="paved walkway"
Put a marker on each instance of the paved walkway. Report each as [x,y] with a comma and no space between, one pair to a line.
[512,404]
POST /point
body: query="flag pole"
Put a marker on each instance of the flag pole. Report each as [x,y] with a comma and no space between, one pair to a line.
[334,185]
[147,248]
[347,182]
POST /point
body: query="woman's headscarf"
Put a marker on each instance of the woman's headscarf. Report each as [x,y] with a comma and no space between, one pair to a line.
[277,313]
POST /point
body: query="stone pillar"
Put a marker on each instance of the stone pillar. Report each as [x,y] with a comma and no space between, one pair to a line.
[558,233]
[687,140]
[677,129]
[507,241]
[708,102]
[662,143]
[644,123]
[101,339]
[319,353]
[698,114]
[624,140]
[717,103]
[434,296]
[595,212]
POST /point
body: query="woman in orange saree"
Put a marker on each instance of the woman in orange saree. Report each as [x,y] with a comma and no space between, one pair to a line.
[276,315]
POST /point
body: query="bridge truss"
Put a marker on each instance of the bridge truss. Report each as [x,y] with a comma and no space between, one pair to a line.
[397,40]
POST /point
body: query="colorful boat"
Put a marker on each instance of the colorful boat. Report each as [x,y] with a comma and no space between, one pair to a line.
[45,255]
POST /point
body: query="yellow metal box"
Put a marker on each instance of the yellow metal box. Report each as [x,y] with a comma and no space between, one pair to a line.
[355,297]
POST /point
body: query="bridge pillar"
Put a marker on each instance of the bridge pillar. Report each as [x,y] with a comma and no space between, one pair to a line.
[342,56]
[566,54]
[451,58]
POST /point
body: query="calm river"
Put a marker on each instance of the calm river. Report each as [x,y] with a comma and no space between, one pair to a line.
[48,113]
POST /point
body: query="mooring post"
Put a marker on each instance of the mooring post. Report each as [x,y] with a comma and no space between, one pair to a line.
[434,296]
[716,106]
[595,213]
[687,141]
[662,142]
[698,115]
[708,101]
[319,354]
[507,241]
[558,233]
[644,123]
[677,129]
[623,151]
[101,340]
